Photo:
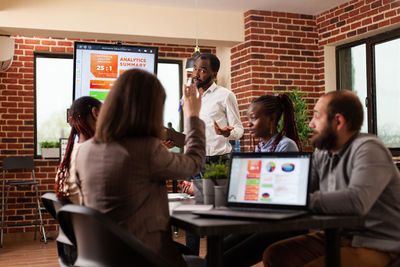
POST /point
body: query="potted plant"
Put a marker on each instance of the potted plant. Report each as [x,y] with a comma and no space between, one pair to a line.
[302,116]
[50,149]
[216,174]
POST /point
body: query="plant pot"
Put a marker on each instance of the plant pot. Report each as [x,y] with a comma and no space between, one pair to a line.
[220,194]
[198,190]
[209,191]
[51,153]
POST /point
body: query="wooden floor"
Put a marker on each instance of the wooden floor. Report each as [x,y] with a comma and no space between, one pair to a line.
[20,250]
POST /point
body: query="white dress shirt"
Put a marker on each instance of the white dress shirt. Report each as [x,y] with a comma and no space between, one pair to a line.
[220,104]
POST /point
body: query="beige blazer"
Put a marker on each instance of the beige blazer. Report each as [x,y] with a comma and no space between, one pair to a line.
[126,181]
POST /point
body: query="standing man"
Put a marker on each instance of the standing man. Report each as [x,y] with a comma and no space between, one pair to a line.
[353,174]
[220,112]
[219,109]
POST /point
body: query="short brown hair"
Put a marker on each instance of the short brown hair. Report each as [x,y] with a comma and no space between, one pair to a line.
[348,104]
[134,107]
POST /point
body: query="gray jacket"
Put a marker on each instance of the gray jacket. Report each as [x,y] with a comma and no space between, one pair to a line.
[361,179]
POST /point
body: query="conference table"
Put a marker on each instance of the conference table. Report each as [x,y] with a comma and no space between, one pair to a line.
[216,228]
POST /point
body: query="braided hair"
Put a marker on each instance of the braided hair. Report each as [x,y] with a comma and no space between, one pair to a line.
[278,105]
[80,109]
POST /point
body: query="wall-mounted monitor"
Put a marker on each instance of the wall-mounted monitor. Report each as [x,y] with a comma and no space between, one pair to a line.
[97,66]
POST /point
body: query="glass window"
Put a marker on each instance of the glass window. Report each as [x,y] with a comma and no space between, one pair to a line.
[353,75]
[371,69]
[169,73]
[387,81]
[53,92]
[53,95]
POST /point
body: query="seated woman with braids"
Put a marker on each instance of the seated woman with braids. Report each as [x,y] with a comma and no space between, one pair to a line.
[82,117]
[263,115]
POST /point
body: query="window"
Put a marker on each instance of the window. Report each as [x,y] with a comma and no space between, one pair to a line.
[53,95]
[371,68]
[169,73]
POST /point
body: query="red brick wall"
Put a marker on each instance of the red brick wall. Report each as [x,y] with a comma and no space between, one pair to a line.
[280,52]
[356,18]
[285,51]
[17,117]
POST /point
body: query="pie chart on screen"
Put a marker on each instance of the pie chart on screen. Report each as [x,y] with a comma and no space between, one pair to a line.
[271,166]
[288,167]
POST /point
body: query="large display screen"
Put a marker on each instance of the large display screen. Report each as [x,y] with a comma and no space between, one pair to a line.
[97,66]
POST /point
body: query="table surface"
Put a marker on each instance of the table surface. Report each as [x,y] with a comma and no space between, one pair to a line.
[205,226]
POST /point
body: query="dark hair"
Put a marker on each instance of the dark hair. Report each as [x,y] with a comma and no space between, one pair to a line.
[214,61]
[276,105]
[348,104]
[134,107]
[78,113]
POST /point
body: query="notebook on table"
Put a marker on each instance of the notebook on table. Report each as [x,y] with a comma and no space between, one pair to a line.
[266,186]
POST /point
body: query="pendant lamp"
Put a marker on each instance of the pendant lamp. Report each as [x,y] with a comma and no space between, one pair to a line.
[190,61]
[6,52]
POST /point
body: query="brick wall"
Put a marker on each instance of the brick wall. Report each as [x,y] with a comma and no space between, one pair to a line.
[356,18]
[280,52]
[285,50]
[17,117]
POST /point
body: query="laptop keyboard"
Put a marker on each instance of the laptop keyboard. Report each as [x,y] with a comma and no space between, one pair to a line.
[247,209]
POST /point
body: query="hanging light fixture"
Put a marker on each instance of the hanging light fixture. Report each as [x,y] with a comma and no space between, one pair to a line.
[190,61]
[6,52]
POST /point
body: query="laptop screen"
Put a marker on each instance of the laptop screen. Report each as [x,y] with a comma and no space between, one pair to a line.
[262,179]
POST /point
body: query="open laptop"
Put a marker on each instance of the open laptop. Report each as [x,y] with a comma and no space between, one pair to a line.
[266,186]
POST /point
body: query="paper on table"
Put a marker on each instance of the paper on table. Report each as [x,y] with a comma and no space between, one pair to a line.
[189,208]
[177,196]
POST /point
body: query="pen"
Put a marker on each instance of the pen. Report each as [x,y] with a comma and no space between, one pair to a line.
[180,104]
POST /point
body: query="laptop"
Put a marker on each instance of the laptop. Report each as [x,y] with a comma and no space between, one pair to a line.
[266,186]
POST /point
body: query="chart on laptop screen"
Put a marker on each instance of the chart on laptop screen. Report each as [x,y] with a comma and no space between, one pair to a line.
[272,180]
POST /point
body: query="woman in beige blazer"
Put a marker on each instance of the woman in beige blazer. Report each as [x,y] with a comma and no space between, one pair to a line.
[123,169]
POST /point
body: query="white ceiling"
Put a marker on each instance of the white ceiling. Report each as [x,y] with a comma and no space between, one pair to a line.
[309,7]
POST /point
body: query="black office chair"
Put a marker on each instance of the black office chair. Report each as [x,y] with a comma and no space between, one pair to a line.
[20,163]
[67,252]
[102,242]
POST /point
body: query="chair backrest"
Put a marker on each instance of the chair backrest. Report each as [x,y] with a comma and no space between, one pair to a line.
[102,242]
[14,163]
[53,205]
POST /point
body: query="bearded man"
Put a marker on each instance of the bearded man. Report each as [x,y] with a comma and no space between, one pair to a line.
[352,174]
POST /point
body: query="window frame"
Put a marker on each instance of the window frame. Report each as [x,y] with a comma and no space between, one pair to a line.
[35,56]
[71,56]
[180,64]
[370,43]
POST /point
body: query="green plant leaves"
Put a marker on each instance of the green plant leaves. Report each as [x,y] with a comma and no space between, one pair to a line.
[301,114]
[46,144]
[216,170]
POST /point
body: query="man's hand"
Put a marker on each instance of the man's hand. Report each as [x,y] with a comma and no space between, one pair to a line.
[226,131]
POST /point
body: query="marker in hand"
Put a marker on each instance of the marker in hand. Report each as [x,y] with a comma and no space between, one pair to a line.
[188,83]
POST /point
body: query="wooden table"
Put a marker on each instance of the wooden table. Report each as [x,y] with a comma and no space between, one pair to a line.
[215,229]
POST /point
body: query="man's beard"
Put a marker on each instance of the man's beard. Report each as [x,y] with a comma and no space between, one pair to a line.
[204,83]
[326,140]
